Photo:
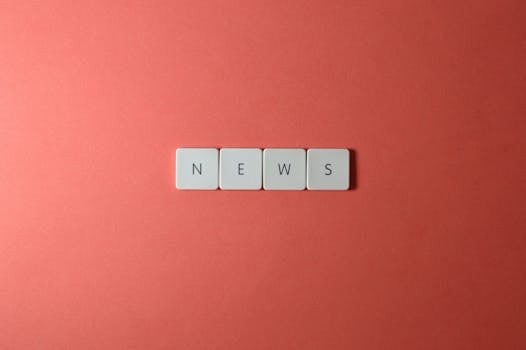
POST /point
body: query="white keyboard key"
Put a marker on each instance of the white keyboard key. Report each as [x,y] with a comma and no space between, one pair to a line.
[196,168]
[328,169]
[240,169]
[284,169]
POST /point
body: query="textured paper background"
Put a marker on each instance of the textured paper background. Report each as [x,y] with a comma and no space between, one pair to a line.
[99,251]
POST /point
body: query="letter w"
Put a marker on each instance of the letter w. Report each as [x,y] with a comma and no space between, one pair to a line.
[283,167]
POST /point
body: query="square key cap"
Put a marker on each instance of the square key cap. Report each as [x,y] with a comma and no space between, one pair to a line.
[240,169]
[284,169]
[328,169]
[196,168]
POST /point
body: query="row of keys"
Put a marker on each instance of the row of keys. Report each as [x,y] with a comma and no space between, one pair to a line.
[272,168]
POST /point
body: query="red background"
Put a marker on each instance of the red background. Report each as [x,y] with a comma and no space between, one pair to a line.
[99,251]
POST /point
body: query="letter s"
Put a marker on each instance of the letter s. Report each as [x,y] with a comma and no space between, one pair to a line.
[328,168]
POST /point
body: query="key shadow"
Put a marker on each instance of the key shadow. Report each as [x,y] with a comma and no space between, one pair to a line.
[353,170]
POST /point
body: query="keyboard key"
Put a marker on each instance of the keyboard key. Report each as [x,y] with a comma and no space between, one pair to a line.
[240,168]
[196,168]
[284,169]
[328,169]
